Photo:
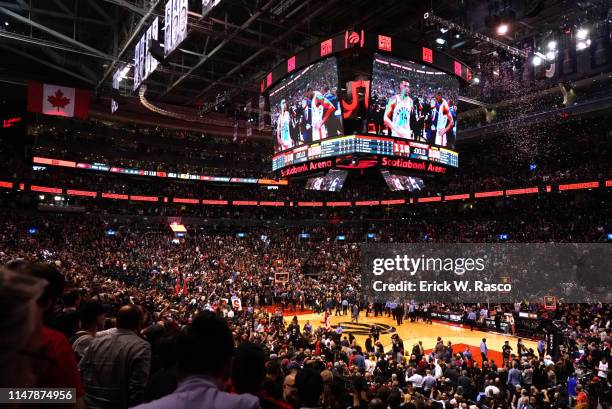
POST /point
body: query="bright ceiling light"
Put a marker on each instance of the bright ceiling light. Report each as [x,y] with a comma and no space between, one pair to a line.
[440,40]
[552,45]
[502,29]
[582,33]
[581,45]
[476,80]
[443,30]
[537,60]
[550,55]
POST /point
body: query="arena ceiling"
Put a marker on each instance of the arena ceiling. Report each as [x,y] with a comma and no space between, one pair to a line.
[82,42]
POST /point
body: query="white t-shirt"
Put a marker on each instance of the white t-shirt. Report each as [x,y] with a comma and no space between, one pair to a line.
[602,370]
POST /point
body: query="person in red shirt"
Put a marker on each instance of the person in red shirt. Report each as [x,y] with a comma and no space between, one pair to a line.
[20,326]
[58,364]
[581,395]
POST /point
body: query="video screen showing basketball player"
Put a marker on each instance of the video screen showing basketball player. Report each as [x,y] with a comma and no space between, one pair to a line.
[397,182]
[332,182]
[444,120]
[283,125]
[323,122]
[400,112]
[305,107]
[412,101]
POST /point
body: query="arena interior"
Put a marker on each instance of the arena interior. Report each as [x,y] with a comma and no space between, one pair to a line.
[190,191]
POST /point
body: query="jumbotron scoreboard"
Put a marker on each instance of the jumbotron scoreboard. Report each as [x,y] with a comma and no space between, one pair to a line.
[407,155]
[371,100]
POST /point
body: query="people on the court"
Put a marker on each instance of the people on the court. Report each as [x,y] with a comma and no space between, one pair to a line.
[355,313]
[375,332]
[471,319]
[506,351]
[484,350]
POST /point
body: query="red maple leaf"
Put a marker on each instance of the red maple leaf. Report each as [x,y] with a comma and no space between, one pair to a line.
[58,100]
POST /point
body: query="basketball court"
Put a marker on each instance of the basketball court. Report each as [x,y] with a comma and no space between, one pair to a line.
[412,332]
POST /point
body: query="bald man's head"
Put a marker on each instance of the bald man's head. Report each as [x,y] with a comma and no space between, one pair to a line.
[129,317]
[327,376]
[290,391]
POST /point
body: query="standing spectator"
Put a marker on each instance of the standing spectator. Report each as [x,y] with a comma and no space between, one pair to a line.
[514,377]
[309,385]
[471,319]
[602,369]
[541,348]
[91,316]
[355,314]
[429,382]
[116,367]
[581,397]
[60,368]
[205,350]
[20,326]
[506,351]
[290,395]
[484,350]
[249,372]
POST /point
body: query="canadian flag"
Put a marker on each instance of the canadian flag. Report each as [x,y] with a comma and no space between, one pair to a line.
[58,100]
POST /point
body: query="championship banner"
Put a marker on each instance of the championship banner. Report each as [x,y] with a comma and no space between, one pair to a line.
[175,23]
[58,100]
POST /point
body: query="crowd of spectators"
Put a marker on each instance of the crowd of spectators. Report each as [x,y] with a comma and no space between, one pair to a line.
[136,316]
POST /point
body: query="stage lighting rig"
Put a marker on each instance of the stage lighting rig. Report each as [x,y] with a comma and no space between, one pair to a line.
[433,19]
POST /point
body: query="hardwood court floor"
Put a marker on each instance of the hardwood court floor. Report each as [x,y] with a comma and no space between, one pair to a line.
[412,332]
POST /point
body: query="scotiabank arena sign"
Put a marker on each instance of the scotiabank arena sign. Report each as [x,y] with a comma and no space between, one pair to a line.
[307,167]
[412,165]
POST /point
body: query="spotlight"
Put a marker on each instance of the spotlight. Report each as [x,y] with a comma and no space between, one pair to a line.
[581,45]
[443,30]
[552,45]
[476,80]
[502,29]
[550,55]
[537,60]
[457,36]
[582,33]
[440,41]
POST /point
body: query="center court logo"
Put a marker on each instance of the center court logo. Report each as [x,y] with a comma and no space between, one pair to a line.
[365,329]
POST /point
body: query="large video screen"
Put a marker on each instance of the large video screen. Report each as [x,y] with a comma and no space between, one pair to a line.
[413,102]
[305,107]
[332,182]
[397,182]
